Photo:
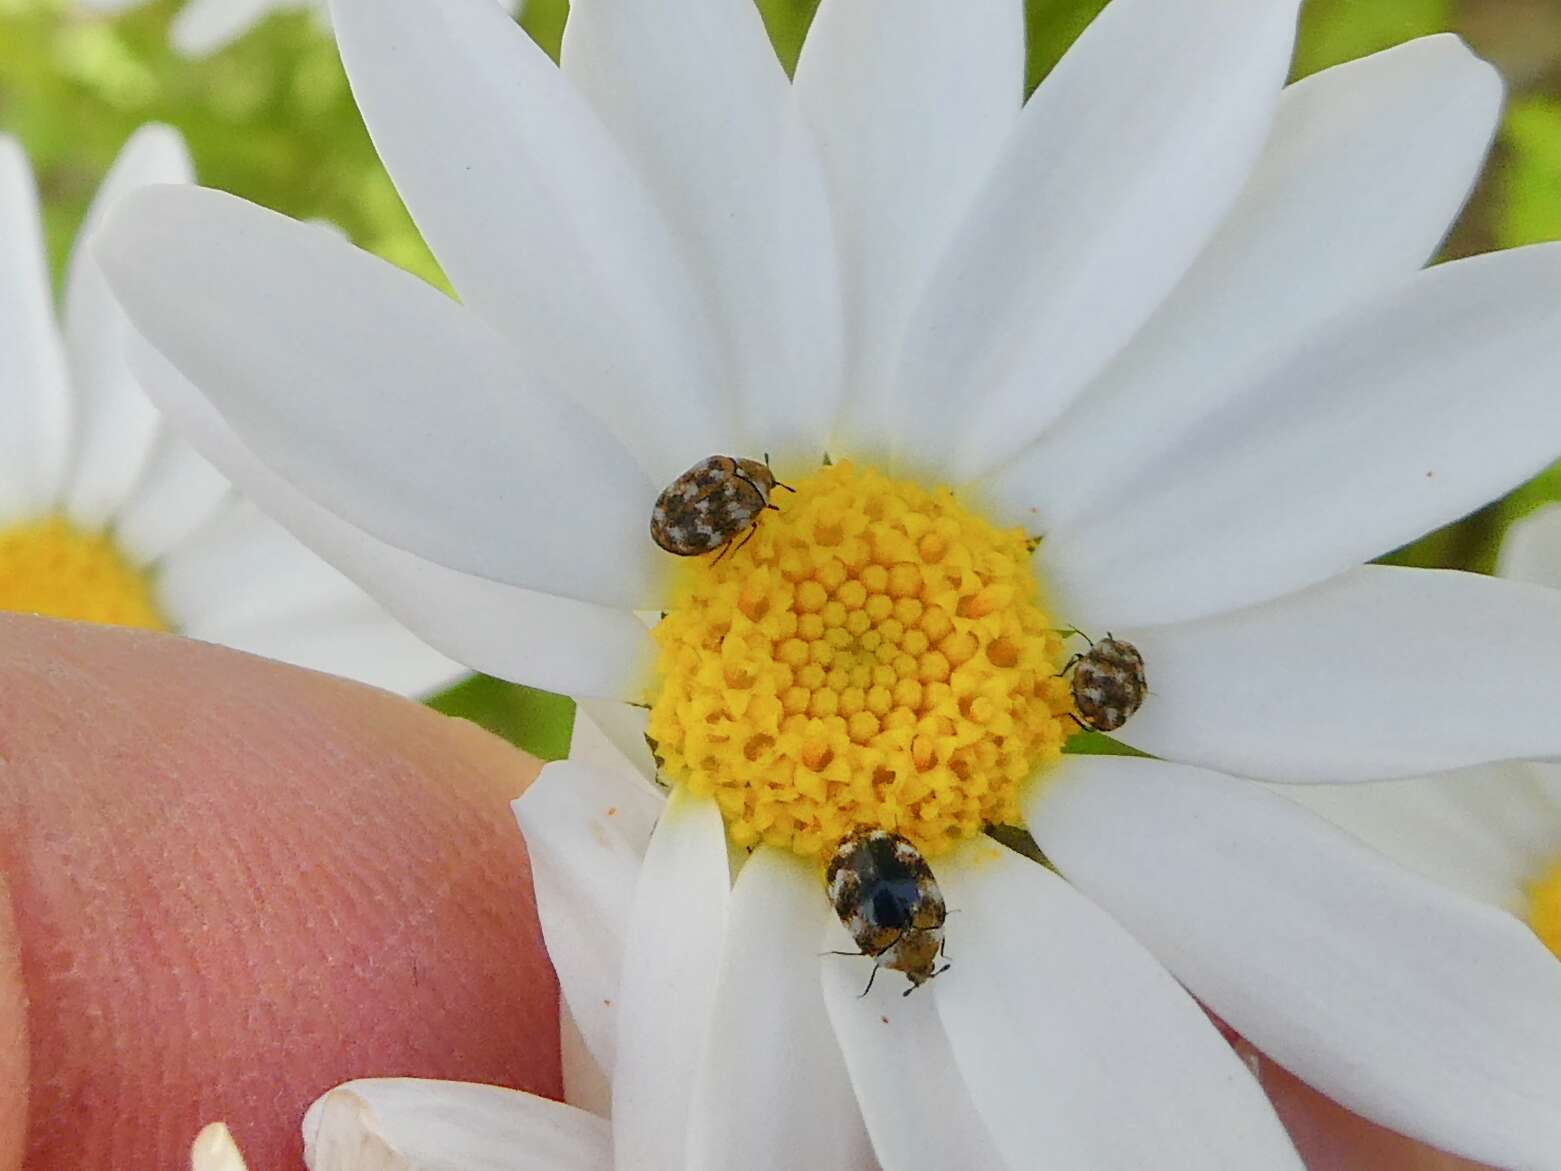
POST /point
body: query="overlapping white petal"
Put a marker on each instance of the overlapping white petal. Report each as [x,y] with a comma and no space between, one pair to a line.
[1123,164]
[1363,172]
[408,1124]
[34,386]
[1487,832]
[912,1096]
[221,582]
[1381,672]
[696,97]
[772,1093]
[586,830]
[542,639]
[1430,1013]
[1531,550]
[622,727]
[540,221]
[910,104]
[177,494]
[357,640]
[345,373]
[116,424]
[667,991]
[1078,1048]
[1401,416]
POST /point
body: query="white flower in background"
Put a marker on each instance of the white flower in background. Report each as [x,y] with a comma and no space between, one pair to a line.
[106,516]
[1166,322]
[203,27]
[1493,832]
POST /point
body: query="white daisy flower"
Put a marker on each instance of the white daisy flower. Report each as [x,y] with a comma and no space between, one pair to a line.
[1165,324]
[106,516]
[204,27]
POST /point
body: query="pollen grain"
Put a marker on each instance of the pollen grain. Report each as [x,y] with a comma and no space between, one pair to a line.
[875,656]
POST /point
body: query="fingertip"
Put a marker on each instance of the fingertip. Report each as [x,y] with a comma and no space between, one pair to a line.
[237,884]
[1331,1138]
[13,1040]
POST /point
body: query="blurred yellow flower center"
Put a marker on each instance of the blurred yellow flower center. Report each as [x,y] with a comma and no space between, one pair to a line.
[52,568]
[874,656]
[1544,908]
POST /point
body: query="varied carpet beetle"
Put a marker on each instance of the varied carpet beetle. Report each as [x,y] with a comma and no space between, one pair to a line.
[711,504]
[1108,683]
[885,894]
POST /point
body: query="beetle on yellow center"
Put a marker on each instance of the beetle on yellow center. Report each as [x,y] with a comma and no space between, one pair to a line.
[711,504]
[885,894]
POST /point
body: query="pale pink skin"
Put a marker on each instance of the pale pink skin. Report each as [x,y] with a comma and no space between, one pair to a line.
[235,884]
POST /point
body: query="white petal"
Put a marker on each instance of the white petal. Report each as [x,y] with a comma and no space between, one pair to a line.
[913,1099]
[116,422]
[1122,165]
[215,1150]
[586,829]
[1531,550]
[1366,167]
[613,728]
[773,1093]
[1395,418]
[408,1124]
[671,960]
[380,397]
[34,390]
[539,220]
[586,1083]
[1426,1012]
[243,569]
[246,582]
[699,102]
[1080,1050]
[541,639]
[357,640]
[910,103]
[1486,832]
[203,27]
[177,493]
[1382,672]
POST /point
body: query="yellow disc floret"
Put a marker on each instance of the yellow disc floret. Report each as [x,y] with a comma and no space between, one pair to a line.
[875,656]
[1544,908]
[52,568]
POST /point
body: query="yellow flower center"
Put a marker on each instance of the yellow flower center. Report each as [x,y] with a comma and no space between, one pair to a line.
[875,655]
[52,568]
[1544,908]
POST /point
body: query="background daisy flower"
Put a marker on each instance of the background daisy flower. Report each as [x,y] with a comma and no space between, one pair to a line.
[107,516]
[999,327]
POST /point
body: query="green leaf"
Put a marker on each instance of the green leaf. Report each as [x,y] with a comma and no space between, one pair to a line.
[539,722]
[1335,31]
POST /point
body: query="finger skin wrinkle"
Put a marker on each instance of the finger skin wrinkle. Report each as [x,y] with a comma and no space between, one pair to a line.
[236,884]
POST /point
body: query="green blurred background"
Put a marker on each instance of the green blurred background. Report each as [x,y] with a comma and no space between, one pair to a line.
[271,118]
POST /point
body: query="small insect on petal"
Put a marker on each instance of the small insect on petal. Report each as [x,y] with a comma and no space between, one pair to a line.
[885,894]
[1108,684]
[711,504]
